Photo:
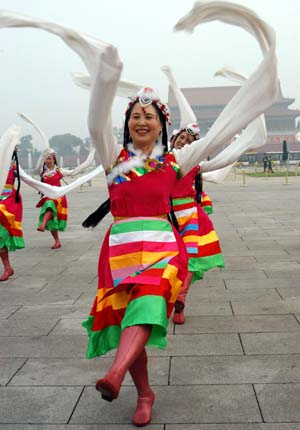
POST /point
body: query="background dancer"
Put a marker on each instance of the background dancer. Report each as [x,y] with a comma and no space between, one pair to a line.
[197,230]
[54,212]
[11,211]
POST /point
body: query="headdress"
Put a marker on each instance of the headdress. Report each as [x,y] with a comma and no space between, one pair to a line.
[193,129]
[148,96]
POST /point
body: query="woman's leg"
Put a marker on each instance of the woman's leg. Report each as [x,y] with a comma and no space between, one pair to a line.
[47,217]
[139,375]
[57,243]
[132,343]
[178,316]
[8,270]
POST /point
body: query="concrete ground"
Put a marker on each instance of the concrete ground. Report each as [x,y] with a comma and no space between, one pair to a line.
[234,365]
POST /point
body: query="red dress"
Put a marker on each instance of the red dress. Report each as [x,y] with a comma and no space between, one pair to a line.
[11,235]
[59,207]
[143,261]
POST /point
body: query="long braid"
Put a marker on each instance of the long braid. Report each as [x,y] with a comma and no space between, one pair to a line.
[94,218]
[198,187]
[15,158]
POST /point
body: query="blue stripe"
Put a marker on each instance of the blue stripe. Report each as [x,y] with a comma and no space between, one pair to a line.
[192,250]
[193,227]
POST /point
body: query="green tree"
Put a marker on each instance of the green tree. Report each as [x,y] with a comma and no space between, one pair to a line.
[64,144]
[25,145]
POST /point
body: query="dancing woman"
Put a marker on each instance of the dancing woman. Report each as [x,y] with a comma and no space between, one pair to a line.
[11,210]
[54,212]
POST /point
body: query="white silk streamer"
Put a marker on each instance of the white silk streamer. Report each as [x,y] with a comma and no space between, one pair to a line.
[187,115]
[125,89]
[256,94]
[8,142]
[46,150]
[254,135]
[54,192]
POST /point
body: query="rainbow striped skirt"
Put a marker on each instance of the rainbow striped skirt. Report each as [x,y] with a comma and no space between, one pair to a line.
[11,234]
[198,234]
[142,266]
[59,208]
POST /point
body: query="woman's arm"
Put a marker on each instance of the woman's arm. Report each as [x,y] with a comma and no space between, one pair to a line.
[103,92]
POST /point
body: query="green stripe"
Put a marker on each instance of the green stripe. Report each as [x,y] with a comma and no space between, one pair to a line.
[138,225]
[54,223]
[150,310]
[182,201]
[201,265]
[10,242]
[208,209]
[100,342]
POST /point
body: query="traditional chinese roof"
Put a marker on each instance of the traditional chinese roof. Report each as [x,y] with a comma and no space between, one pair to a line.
[209,101]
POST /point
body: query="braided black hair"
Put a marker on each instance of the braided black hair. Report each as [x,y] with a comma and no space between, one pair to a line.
[198,187]
[16,160]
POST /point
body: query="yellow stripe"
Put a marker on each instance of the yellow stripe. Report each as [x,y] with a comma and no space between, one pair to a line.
[136,258]
[171,274]
[116,301]
[206,199]
[202,240]
[184,219]
[63,211]
[17,225]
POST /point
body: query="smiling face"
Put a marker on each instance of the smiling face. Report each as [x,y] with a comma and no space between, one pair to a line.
[49,161]
[144,127]
[184,138]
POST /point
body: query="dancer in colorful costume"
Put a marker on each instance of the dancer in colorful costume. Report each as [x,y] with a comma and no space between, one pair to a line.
[197,230]
[125,280]
[54,212]
[185,136]
[11,210]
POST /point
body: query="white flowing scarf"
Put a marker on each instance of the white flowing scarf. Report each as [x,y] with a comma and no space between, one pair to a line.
[46,150]
[256,94]
[253,136]
[8,142]
[54,192]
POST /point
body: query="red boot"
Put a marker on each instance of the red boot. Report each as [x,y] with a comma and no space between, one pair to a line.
[57,243]
[47,217]
[139,374]
[8,270]
[132,342]
[178,316]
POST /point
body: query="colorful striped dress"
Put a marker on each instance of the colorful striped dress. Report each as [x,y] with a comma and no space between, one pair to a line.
[197,230]
[59,207]
[143,261]
[11,235]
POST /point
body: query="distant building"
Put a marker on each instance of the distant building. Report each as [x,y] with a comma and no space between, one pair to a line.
[208,102]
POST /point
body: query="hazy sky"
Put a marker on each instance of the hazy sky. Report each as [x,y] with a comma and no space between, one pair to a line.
[35,65]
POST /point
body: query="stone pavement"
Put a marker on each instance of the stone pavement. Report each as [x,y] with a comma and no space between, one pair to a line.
[234,365]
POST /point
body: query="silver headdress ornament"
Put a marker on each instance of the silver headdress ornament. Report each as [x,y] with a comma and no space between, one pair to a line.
[147,96]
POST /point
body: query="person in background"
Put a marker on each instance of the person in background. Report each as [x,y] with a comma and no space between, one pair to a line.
[54,212]
[11,211]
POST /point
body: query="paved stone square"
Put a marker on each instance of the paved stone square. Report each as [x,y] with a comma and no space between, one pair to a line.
[234,365]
